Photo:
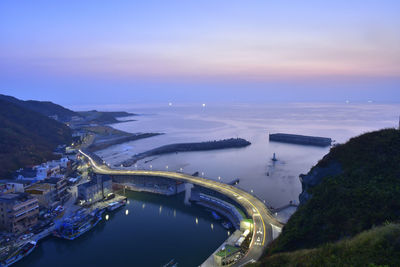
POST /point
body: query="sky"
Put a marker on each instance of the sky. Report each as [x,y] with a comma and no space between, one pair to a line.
[110,52]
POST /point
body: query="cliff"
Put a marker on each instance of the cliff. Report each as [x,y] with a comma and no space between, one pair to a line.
[353,188]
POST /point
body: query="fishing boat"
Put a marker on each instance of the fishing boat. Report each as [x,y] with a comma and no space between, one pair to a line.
[227,225]
[18,254]
[76,226]
[171,263]
[215,215]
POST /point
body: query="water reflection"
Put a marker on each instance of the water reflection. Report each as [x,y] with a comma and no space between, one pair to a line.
[126,212]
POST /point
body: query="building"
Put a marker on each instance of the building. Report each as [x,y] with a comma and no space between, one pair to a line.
[18,212]
[26,175]
[61,194]
[11,187]
[96,189]
[227,255]
[45,194]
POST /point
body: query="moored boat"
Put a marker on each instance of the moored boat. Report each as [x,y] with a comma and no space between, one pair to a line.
[18,254]
[73,228]
[115,205]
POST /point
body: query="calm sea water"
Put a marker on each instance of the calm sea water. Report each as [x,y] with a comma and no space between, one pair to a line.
[277,183]
[155,230]
[158,229]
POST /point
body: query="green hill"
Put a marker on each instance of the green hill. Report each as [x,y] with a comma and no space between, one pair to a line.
[353,188]
[27,137]
[45,108]
[376,247]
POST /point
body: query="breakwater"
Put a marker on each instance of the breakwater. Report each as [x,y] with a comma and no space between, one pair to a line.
[300,139]
[187,147]
[103,144]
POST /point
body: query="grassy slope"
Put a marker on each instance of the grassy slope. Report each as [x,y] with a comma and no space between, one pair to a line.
[364,195]
[27,137]
[376,247]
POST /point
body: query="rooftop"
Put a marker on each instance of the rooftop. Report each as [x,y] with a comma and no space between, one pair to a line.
[40,187]
[15,197]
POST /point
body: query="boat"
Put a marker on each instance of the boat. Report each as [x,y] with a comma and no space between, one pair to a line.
[115,205]
[215,215]
[227,225]
[171,263]
[21,252]
[77,225]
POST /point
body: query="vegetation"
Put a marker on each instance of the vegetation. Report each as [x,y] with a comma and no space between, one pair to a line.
[43,107]
[27,137]
[376,247]
[100,117]
[364,194]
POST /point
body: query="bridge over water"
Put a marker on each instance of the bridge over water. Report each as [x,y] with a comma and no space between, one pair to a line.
[263,221]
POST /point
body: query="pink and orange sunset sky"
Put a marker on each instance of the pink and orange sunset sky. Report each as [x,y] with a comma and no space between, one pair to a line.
[155,51]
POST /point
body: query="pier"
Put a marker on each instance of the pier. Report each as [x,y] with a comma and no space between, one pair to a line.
[301,139]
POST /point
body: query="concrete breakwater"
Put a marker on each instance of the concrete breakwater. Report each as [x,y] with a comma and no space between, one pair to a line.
[187,147]
[115,140]
[300,139]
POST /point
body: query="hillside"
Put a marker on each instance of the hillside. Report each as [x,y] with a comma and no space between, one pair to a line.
[376,247]
[104,117]
[45,108]
[27,137]
[353,188]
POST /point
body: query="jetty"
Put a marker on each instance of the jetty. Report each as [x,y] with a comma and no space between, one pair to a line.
[300,139]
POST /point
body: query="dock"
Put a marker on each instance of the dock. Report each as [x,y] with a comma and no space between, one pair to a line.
[301,139]
[104,204]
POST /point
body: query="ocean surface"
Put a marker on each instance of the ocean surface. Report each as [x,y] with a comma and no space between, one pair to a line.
[276,183]
[150,230]
[156,228]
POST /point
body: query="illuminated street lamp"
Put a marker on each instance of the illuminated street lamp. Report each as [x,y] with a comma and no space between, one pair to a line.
[151,167]
[219,178]
[166,167]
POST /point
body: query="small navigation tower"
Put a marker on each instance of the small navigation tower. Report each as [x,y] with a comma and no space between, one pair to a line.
[274,157]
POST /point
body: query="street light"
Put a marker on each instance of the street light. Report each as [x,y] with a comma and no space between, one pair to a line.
[219,178]
[151,167]
[166,167]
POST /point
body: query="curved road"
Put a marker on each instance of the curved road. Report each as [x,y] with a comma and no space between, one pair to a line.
[262,218]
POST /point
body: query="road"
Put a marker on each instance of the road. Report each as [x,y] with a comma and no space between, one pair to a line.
[262,217]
